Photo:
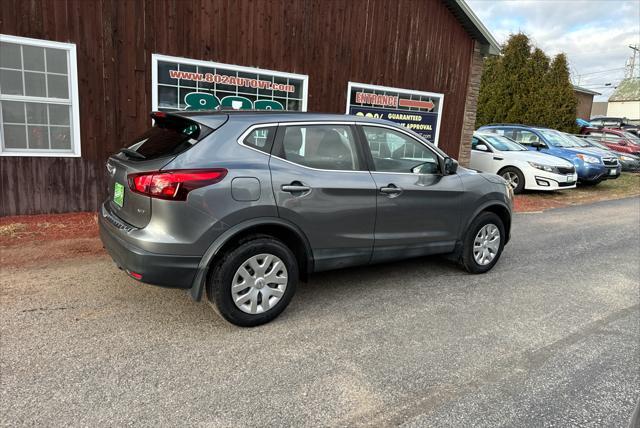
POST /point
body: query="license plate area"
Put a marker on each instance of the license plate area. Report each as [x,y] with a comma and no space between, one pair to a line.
[613,172]
[118,194]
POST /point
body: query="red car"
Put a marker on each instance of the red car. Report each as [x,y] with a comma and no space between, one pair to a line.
[618,140]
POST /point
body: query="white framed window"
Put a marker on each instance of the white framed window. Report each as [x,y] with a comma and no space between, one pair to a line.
[39,109]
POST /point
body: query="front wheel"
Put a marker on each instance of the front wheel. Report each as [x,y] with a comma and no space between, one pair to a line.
[515,179]
[483,243]
[253,283]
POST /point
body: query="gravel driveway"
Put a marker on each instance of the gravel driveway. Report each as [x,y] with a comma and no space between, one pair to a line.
[550,337]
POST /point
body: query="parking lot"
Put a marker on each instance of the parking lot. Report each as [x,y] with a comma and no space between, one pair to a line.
[549,337]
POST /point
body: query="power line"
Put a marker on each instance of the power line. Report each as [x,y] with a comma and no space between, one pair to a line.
[601,71]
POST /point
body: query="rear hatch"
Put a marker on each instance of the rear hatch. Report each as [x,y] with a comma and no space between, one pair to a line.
[169,136]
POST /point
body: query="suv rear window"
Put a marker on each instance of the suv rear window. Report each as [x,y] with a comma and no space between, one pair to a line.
[168,136]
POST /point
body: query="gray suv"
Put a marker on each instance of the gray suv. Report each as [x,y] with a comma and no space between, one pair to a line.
[245,204]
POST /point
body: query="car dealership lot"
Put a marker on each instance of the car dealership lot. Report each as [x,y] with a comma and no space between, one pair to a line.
[551,335]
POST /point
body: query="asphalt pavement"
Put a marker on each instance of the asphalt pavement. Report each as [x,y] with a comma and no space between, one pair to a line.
[550,337]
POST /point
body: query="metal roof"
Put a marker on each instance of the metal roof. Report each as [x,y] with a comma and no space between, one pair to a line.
[628,90]
[472,24]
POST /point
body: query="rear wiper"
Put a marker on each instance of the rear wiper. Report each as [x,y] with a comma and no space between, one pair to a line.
[132,153]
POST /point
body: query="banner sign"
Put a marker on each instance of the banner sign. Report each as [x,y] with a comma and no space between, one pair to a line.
[418,111]
[186,84]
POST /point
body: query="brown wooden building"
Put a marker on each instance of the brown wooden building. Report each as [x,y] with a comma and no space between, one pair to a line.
[78,78]
[585,102]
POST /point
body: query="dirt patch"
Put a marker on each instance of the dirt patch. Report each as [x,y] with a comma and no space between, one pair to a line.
[18,230]
[627,185]
[42,239]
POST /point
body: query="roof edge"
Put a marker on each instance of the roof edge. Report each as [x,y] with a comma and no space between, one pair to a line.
[585,90]
[476,29]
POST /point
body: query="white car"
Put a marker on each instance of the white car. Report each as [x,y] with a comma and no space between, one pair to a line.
[522,168]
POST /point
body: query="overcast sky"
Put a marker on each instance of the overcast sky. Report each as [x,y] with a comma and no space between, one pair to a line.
[595,34]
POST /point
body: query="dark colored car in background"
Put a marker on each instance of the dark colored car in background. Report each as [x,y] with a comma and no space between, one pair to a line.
[243,204]
[592,167]
[616,139]
[628,161]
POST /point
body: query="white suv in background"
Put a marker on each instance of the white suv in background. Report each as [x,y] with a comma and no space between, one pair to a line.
[522,168]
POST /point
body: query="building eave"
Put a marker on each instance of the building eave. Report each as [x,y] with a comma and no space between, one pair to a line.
[585,90]
[472,24]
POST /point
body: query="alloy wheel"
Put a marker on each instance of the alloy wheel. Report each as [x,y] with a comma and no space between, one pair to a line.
[512,179]
[259,283]
[486,244]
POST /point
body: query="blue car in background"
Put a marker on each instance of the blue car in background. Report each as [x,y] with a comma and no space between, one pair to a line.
[591,165]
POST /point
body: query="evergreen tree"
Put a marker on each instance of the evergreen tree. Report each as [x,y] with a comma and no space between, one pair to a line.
[521,86]
[562,98]
[487,103]
[514,89]
[537,102]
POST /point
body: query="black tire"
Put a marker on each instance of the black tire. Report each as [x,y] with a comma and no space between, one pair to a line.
[467,260]
[220,280]
[513,170]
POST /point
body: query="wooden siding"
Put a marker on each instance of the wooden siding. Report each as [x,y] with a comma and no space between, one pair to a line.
[413,44]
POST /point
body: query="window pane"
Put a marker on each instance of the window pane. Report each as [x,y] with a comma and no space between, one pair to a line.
[34,85]
[167,97]
[56,61]
[10,55]
[394,151]
[15,137]
[33,58]
[58,86]
[13,112]
[60,137]
[168,137]
[321,146]
[59,114]
[11,82]
[163,72]
[261,139]
[38,137]
[36,113]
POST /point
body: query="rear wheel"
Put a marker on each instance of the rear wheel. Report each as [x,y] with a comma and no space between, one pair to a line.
[483,243]
[253,283]
[514,178]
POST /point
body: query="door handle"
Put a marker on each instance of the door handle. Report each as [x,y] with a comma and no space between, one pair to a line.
[391,190]
[497,158]
[295,188]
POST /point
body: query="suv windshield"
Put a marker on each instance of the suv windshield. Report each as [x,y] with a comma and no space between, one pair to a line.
[169,136]
[556,139]
[578,142]
[503,144]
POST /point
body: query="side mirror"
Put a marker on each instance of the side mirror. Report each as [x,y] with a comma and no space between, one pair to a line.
[450,166]
[482,148]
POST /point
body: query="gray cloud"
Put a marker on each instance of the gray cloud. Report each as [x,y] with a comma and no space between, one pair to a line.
[595,35]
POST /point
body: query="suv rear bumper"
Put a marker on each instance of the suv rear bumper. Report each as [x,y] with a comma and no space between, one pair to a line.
[157,269]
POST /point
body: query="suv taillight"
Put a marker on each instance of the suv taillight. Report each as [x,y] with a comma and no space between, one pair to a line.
[173,185]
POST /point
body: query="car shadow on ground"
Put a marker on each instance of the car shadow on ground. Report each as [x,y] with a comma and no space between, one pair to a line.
[357,285]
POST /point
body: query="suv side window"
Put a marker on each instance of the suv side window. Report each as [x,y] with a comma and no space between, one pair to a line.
[321,146]
[524,137]
[474,143]
[261,139]
[393,151]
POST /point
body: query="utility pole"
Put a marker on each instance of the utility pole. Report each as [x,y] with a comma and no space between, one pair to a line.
[630,72]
